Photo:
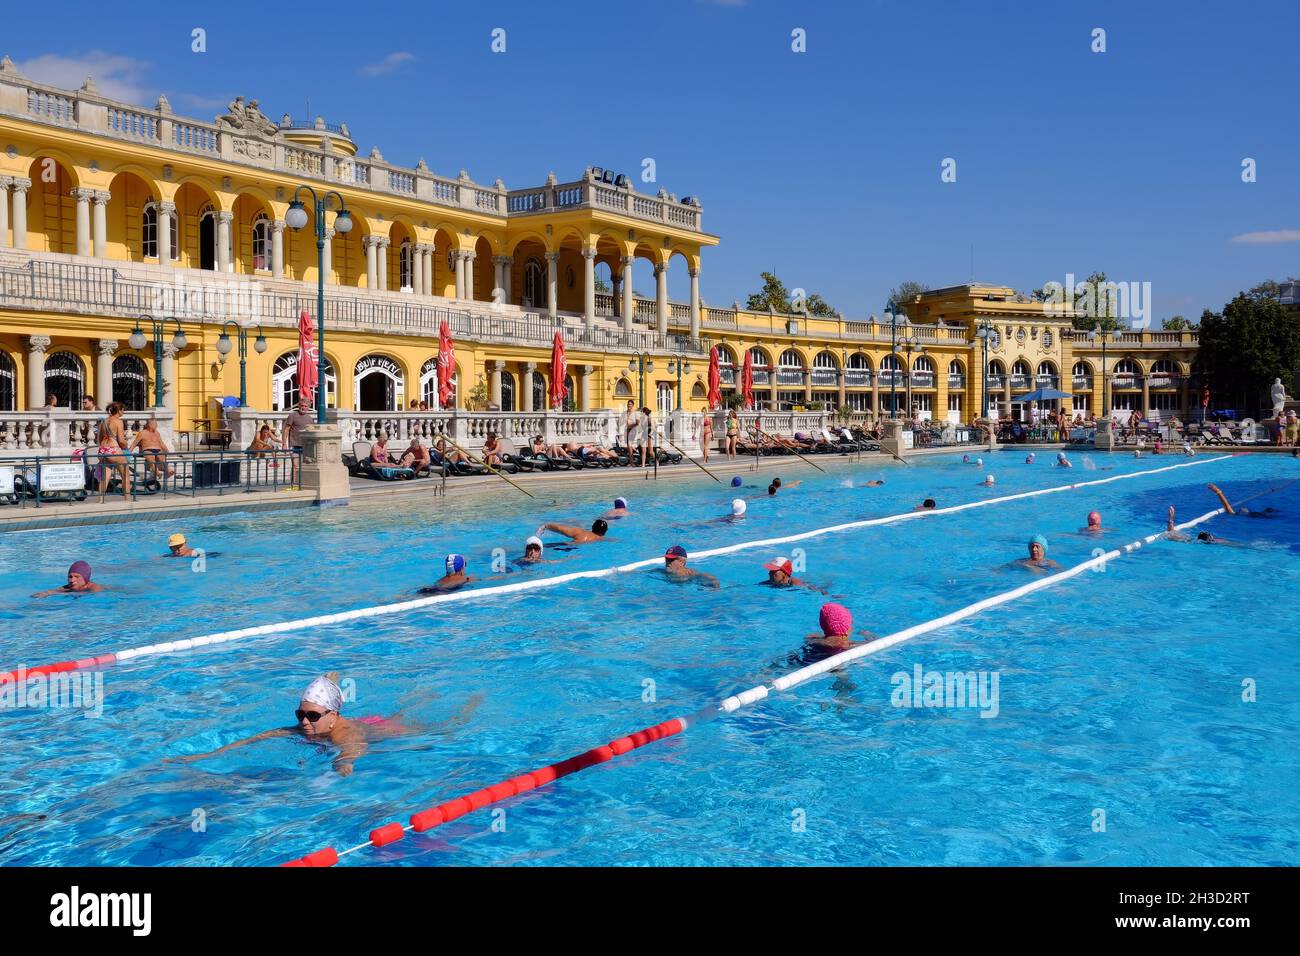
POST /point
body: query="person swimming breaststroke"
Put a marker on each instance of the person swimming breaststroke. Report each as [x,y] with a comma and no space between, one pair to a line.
[738,507]
[675,566]
[1029,459]
[780,574]
[619,510]
[178,548]
[78,582]
[319,718]
[926,505]
[532,551]
[454,579]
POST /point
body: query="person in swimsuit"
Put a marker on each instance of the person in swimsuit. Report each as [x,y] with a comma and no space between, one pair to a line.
[450,455]
[705,436]
[780,574]
[1038,559]
[379,452]
[926,505]
[112,441]
[618,511]
[264,443]
[733,433]
[631,426]
[78,582]
[320,719]
[1240,512]
[597,533]
[1094,524]
[416,455]
[178,548]
[153,448]
[491,451]
[453,580]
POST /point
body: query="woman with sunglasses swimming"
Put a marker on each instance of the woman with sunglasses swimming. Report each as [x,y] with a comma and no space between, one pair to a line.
[320,720]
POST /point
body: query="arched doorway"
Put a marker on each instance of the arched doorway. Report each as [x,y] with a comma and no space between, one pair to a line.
[429,386]
[507,392]
[534,285]
[130,382]
[378,385]
[284,383]
[65,378]
[208,239]
[8,383]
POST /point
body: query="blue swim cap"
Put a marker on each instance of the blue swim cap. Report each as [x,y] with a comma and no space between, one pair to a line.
[736,482]
[455,564]
[620,502]
[1038,539]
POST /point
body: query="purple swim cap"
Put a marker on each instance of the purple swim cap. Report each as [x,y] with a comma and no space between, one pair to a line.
[82,568]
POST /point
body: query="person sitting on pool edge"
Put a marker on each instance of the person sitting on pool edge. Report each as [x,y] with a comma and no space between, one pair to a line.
[675,567]
[453,580]
[78,582]
[320,719]
[575,534]
[177,548]
[1038,559]
[618,511]
[780,574]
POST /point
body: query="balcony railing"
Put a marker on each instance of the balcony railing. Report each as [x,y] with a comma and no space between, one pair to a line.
[210,297]
[825,376]
[995,380]
[1046,381]
[1082,383]
[923,379]
[1022,382]
[857,377]
[788,376]
[956,380]
[1125,380]
[888,377]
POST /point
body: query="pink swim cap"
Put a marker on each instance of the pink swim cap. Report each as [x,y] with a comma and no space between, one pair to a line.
[1094,517]
[836,620]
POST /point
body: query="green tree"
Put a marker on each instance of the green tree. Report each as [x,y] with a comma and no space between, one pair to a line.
[777,296]
[1101,310]
[1268,289]
[901,298]
[1243,349]
[1176,323]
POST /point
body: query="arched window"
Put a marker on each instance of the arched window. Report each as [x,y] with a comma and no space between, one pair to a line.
[1020,368]
[1163,367]
[623,389]
[507,392]
[534,285]
[8,378]
[824,360]
[262,243]
[858,360]
[758,357]
[996,367]
[65,379]
[406,265]
[570,400]
[149,232]
[284,383]
[1125,367]
[1046,368]
[890,363]
[1081,368]
[378,384]
[539,392]
[130,382]
[726,357]
[429,385]
[956,368]
[791,359]
[922,364]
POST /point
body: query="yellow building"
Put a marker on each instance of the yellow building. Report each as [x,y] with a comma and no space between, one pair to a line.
[113,217]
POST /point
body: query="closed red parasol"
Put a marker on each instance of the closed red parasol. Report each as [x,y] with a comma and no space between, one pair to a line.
[559,371]
[446,365]
[715,379]
[308,356]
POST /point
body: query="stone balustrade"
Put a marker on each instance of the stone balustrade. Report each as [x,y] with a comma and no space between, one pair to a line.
[60,431]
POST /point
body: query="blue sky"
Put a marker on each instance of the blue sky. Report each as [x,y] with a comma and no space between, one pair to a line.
[822,166]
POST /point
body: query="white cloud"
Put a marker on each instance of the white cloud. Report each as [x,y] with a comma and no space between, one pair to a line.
[1268,238]
[118,77]
[205,102]
[389,64]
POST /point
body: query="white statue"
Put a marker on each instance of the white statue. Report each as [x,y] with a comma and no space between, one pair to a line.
[1278,393]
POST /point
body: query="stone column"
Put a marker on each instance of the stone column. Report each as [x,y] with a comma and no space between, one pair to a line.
[5,183]
[382,255]
[100,230]
[460,273]
[586,388]
[327,267]
[616,294]
[20,218]
[629,296]
[494,381]
[529,369]
[1146,395]
[552,283]
[224,219]
[807,386]
[417,269]
[469,274]
[508,273]
[167,375]
[661,297]
[372,261]
[166,210]
[1006,394]
[842,400]
[36,347]
[277,249]
[503,264]
[589,287]
[104,349]
[322,468]
[426,264]
[875,394]
[83,197]
[695,303]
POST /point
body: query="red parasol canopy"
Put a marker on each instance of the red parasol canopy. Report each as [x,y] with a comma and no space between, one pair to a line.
[308,356]
[446,365]
[559,371]
[715,380]
[747,380]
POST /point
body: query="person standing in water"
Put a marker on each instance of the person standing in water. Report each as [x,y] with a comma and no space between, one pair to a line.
[78,582]
[1038,559]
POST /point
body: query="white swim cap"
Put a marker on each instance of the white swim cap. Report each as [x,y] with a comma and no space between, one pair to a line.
[738,506]
[325,693]
[980,462]
[533,539]
[988,479]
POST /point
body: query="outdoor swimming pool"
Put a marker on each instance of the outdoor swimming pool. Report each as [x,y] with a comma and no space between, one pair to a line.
[1119,691]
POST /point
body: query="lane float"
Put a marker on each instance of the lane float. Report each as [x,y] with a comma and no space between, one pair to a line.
[169,647]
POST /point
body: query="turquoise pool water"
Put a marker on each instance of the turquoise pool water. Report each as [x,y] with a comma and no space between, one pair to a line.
[1119,691]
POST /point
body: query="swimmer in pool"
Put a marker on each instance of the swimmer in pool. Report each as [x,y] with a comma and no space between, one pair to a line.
[836,635]
[177,548]
[453,580]
[320,719]
[873,483]
[618,511]
[532,552]
[1171,532]
[78,582]
[926,505]
[575,534]
[793,484]
[738,509]
[1038,559]
[1029,459]
[1094,524]
[736,481]
[675,568]
[780,574]
[989,480]
[1062,461]
[1240,512]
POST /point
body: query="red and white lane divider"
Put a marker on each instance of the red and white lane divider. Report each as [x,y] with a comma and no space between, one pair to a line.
[454,809]
[302,624]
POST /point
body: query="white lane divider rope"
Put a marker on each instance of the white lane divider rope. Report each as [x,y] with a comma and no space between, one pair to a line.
[515,587]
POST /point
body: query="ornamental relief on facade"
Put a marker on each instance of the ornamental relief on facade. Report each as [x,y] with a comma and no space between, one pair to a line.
[253,149]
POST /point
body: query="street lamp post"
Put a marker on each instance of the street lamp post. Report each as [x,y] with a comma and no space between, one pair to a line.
[984,333]
[679,364]
[138,340]
[223,349]
[1115,335]
[910,343]
[296,218]
[895,319]
[641,363]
